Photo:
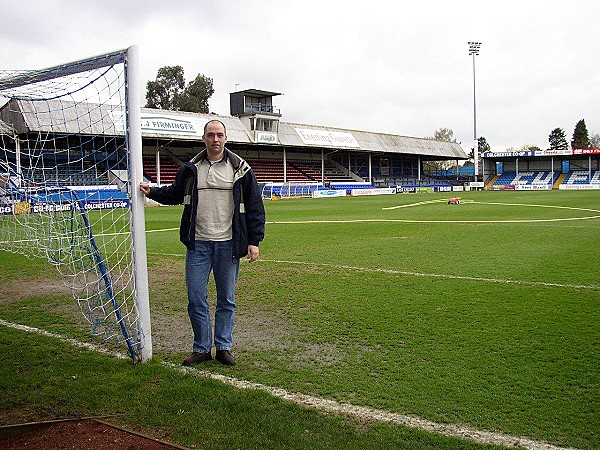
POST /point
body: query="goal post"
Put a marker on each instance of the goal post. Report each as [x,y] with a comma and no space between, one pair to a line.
[66,133]
[138,221]
[298,189]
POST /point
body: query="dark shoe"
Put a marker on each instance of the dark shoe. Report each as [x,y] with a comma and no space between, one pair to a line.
[196,358]
[225,357]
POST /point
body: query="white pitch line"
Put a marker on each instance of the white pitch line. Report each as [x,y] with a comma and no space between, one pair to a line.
[427,202]
[416,274]
[530,205]
[361,412]
[435,275]
[533,205]
[68,340]
[304,222]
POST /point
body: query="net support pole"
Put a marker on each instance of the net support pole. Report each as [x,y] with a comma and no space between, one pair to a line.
[138,227]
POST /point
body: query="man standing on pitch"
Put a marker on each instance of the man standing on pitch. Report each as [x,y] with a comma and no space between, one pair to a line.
[223,220]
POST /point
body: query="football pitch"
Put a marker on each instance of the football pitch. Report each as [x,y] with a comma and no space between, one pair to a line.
[484,314]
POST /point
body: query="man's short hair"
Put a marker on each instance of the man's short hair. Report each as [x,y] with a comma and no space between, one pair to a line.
[215,120]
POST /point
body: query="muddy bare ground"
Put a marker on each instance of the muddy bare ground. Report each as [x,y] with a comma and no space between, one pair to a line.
[171,330]
[86,434]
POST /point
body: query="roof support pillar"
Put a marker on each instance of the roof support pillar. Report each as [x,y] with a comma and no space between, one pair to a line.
[157,163]
[323,166]
[284,165]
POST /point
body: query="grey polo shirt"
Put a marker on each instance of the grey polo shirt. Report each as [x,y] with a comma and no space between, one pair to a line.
[215,200]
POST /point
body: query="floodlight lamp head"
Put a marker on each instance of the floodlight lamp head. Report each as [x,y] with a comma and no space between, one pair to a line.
[474,48]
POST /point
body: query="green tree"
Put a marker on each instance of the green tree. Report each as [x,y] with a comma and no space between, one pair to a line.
[580,136]
[169,91]
[482,145]
[558,140]
[163,93]
[196,94]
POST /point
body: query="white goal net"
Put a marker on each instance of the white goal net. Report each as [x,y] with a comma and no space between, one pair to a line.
[296,189]
[68,134]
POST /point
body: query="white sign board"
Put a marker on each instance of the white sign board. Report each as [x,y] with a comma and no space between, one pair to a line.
[329,193]
[165,124]
[324,138]
[265,137]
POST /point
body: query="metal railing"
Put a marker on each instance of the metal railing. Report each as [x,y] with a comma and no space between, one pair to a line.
[258,107]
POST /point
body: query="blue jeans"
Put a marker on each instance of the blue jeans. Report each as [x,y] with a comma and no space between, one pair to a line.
[216,257]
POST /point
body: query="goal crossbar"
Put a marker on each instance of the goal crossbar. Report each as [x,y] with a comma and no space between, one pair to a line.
[24,78]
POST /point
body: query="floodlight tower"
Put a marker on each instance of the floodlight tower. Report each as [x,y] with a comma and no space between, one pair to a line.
[474,50]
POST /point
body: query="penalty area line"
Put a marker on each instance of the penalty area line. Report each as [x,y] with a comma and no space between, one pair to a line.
[360,412]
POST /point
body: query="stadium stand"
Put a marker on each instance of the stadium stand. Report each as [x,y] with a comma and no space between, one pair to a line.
[168,169]
[348,187]
[526,178]
[582,177]
[81,171]
[267,170]
[271,170]
[332,173]
[308,169]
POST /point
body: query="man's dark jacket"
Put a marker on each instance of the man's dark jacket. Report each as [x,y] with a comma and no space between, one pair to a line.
[248,225]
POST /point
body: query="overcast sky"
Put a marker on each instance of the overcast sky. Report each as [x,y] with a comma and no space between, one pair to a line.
[377,65]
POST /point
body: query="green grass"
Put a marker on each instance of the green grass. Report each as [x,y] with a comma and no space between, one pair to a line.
[43,377]
[484,313]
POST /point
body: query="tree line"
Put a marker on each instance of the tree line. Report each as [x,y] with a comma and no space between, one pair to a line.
[557,139]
